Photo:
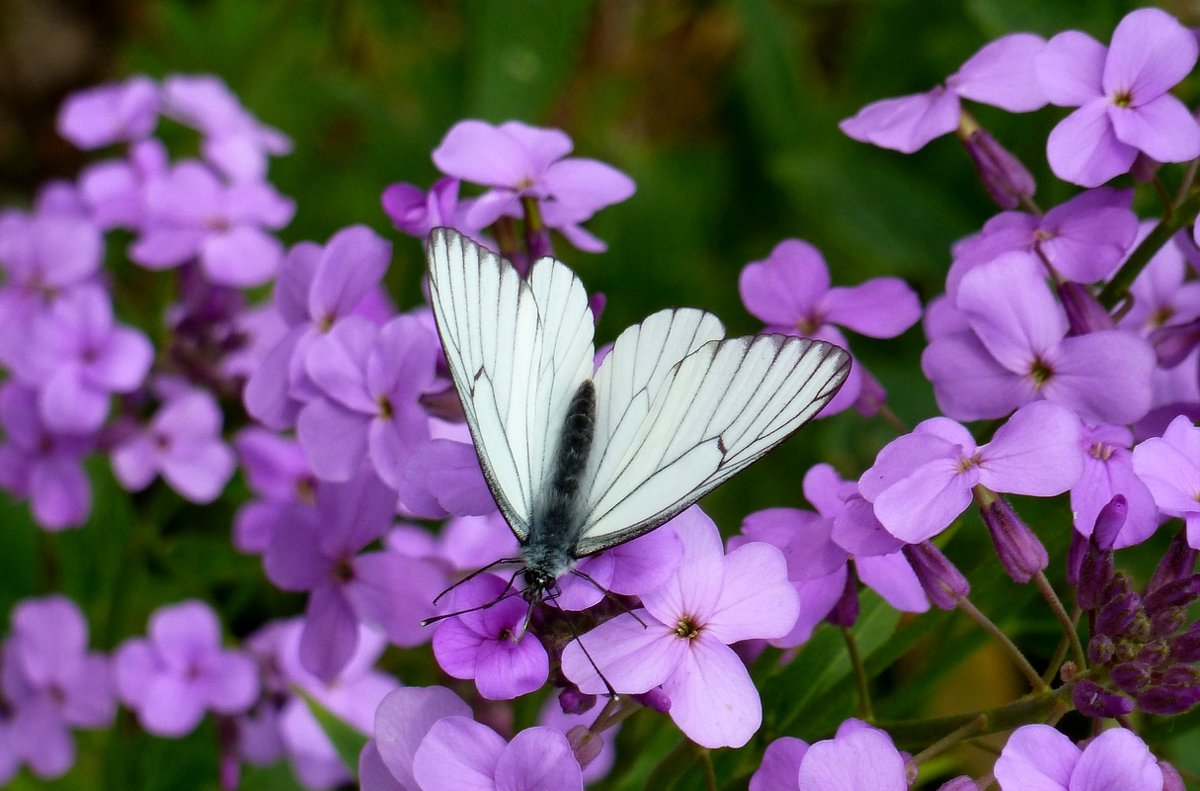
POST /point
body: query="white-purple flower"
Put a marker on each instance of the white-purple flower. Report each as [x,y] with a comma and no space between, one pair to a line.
[1121,93]
[858,758]
[1170,467]
[1107,472]
[1000,74]
[712,601]
[276,471]
[923,480]
[111,113]
[179,671]
[1040,758]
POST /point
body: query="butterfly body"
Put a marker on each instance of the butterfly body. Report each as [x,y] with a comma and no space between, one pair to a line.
[581,458]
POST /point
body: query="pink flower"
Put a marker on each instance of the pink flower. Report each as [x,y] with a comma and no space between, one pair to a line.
[712,601]
[1039,758]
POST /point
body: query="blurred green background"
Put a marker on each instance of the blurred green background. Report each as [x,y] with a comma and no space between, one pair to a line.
[724,113]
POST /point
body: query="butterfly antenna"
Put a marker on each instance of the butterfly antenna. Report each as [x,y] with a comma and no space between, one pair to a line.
[612,693]
[475,574]
[484,606]
[609,595]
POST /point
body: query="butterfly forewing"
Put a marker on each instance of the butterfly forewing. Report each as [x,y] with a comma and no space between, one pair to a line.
[719,409]
[517,351]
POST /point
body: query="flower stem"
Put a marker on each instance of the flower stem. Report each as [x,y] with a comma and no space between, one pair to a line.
[1045,706]
[1060,612]
[1118,287]
[860,675]
[952,738]
[1018,658]
[710,774]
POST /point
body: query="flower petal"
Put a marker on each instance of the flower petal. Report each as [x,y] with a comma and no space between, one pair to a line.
[713,700]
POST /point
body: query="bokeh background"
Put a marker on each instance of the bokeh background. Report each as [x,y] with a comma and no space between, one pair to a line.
[724,113]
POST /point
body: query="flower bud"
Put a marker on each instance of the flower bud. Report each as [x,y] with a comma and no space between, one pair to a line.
[1118,614]
[1084,312]
[1020,551]
[1174,343]
[1093,700]
[1176,593]
[1177,563]
[1006,180]
[1172,781]
[1095,574]
[1130,676]
[1154,653]
[1181,676]
[1075,555]
[1100,649]
[1126,650]
[573,701]
[1186,647]
[1109,522]
[1168,621]
[942,582]
[963,783]
[1168,700]
[655,699]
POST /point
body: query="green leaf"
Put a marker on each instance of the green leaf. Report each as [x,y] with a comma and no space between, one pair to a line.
[348,741]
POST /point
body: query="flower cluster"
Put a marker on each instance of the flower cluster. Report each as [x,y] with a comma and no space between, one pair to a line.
[1062,357]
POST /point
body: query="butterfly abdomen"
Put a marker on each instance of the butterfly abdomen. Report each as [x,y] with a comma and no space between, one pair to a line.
[558,516]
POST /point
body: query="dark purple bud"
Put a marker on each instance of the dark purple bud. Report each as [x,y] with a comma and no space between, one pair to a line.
[655,699]
[1117,614]
[1130,676]
[585,744]
[1084,312]
[1154,653]
[1177,563]
[1176,593]
[573,701]
[943,583]
[1181,676]
[1020,551]
[1168,700]
[1075,556]
[1144,168]
[1168,621]
[1186,647]
[1006,180]
[963,783]
[1174,343]
[1126,650]
[1093,700]
[1095,575]
[1100,649]
[1109,522]
[1172,781]
[845,612]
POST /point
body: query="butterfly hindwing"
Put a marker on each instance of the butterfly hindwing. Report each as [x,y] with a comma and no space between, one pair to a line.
[720,408]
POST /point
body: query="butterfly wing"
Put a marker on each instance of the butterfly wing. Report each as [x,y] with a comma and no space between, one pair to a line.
[515,348]
[712,414]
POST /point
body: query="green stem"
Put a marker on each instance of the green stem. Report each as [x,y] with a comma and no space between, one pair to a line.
[710,774]
[1117,288]
[1043,706]
[860,675]
[955,736]
[1064,618]
[1018,658]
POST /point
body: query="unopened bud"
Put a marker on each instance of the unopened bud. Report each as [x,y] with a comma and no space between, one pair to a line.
[1095,575]
[585,744]
[963,783]
[1168,700]
[1093,700]
[573,701]
[655,699]
[1154,653]
[1176,593]
[1168,621]
[1118,614]
[1109,522]
[1130,676]
[942,582]
[1186,647]
[1174,343]
[1177,563]
[1020,551]
[1100,649]
[1006,180]
[1172,781]
[1084,312]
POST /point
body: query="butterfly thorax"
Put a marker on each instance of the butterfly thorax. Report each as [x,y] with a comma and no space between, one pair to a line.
[558,514]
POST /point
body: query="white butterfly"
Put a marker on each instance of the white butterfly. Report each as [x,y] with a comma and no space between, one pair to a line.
[580,460]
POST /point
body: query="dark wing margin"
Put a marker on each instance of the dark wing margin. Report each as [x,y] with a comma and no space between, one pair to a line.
[717,411]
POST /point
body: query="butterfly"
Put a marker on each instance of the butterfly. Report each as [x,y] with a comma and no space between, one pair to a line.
[578,458]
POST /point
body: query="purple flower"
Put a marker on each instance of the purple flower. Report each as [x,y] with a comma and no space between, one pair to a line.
[77,356]
[458,753]
[1083,239]
[1018,351]
[114,190]
[858,757]
[1161,294]
[713,600]
[628,569]
[182,443]
[318,553]
[276,471]
[402,721]
[1000,74]
[1039,758]
[179,671]
[43,465]
[517,160]
[790,291]
[370,380]
[416,212]
[1107,472]
[1170,468]
[439,477]
[191,214]
[317,287]
[53,683]
[234,140]
[124,111]
[780,768]
[923,480]
[595,752]
[1121,93]
[487,645]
